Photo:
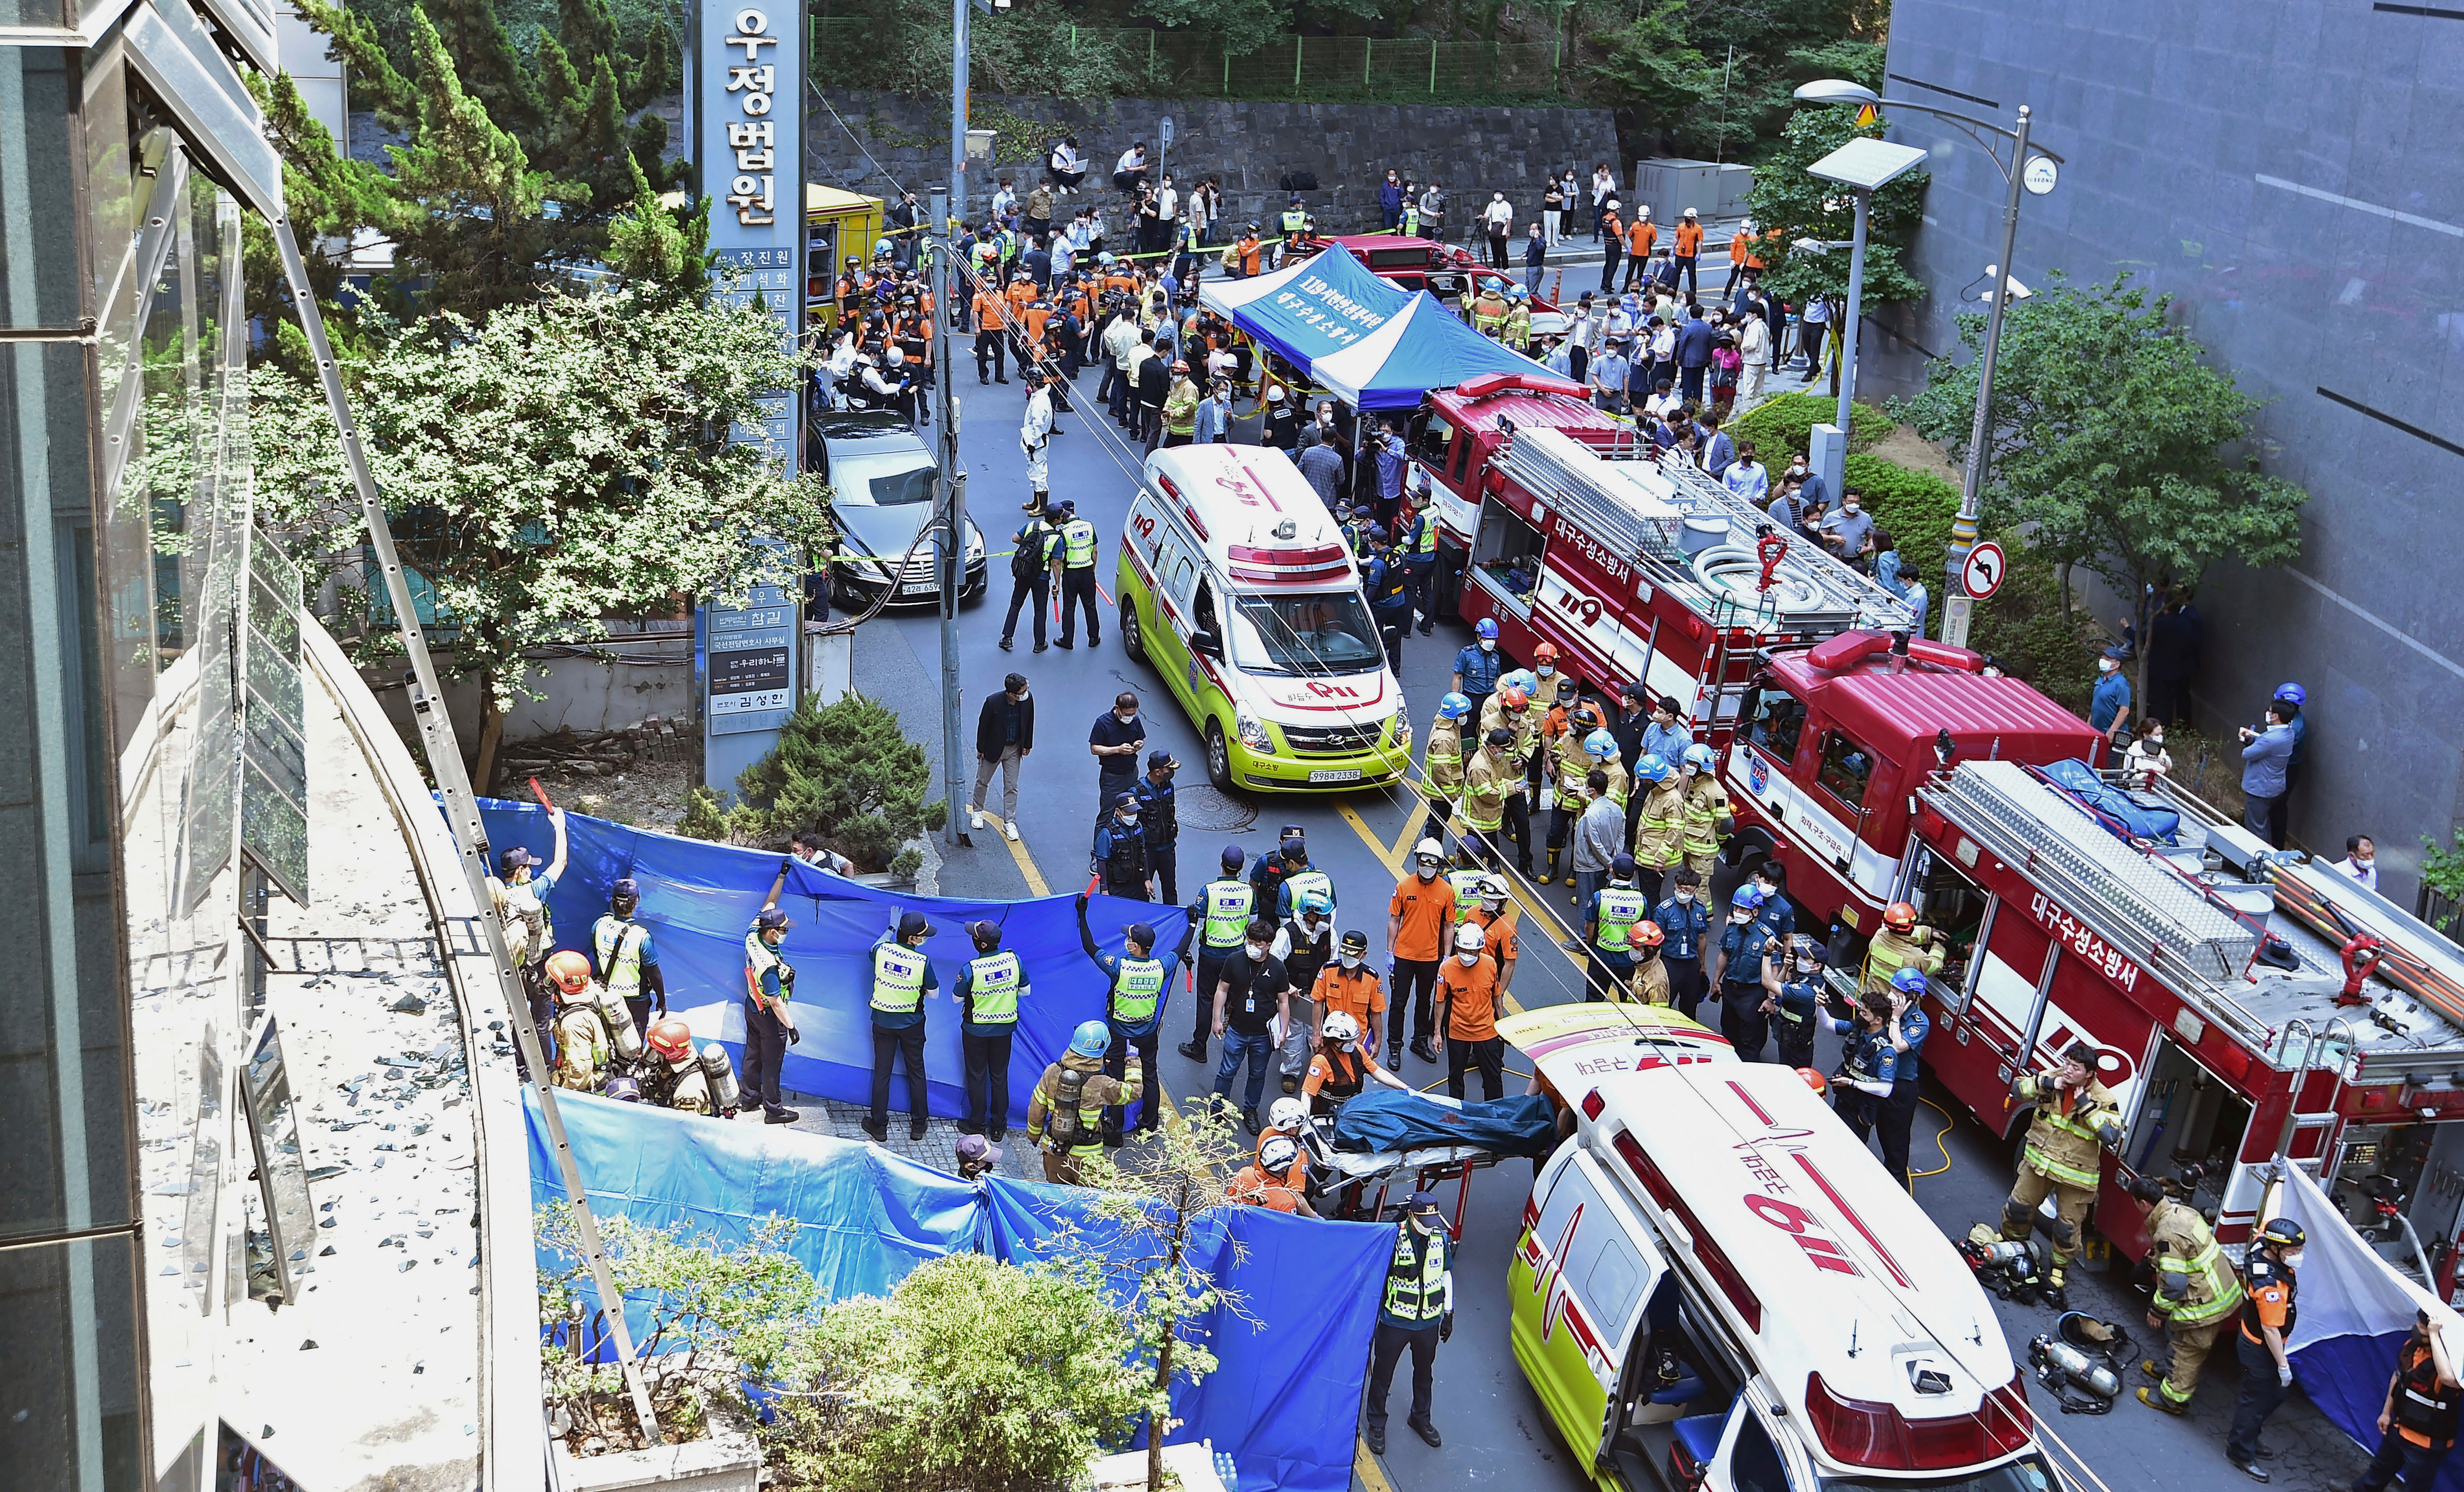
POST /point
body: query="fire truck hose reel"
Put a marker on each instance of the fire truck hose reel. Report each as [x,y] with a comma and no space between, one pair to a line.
[1736,569]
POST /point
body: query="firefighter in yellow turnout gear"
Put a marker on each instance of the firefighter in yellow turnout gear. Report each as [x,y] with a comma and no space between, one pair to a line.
[1066,1117]
[2077,1121]
[2197,1293]
[1900,945]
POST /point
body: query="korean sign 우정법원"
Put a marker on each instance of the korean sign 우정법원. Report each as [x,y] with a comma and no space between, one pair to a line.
[748,149]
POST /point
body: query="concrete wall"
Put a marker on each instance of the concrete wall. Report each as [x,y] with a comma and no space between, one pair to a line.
[654,676]
[2288,170]
[1251,145]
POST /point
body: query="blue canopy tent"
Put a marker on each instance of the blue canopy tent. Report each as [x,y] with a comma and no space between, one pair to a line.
[1372,345]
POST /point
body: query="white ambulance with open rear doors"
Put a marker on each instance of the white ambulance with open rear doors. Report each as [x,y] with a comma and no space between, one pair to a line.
[1718,1287]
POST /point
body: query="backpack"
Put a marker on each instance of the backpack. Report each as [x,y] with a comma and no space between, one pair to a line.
[1029,558]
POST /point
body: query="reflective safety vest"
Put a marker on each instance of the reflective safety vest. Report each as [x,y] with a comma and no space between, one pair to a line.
[619,942]
[1442,767]
[1137,987]
[1486,783]
[1302,882]
[1467,888]
[1620,908]
[1891,951]
[1706,803]
[994,980]
[760,958]
[2067,1147]
[1294,220]
[1231,904]
[1659,830]
[528,927]
[1425,534]
[1415,1277]
[2186,1250]
[2423,1404]
[1392,583]
[897,978]
[1079,537]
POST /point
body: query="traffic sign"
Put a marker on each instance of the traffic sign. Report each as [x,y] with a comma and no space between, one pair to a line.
[1866,116]
[1982,575]
[1165,133]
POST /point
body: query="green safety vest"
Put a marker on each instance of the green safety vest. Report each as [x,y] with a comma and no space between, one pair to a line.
[997,981]
[760,958]
[1620,908]
[1137,986]
[1426,540]
[619,942]
[1302,883]
[1295,220]
[1466,886]
[897,978]
[1415,1277]
[1229,907]
[1079,535]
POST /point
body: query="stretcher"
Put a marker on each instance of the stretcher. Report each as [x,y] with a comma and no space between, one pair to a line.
[1350,1175]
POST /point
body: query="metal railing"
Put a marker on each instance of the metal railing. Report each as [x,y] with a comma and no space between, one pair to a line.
[1335,69]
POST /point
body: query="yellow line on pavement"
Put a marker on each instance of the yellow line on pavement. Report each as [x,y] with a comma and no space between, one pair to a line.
[1392,857]
[1365,1466]
[1025,861]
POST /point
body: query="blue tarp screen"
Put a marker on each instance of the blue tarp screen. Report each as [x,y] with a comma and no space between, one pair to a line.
[698,899]
[1286,1393]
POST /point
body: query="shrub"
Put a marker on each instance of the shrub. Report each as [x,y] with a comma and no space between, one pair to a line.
[844,769]
[1918,510]
[972,1375]
[1784,424]
[2024,628]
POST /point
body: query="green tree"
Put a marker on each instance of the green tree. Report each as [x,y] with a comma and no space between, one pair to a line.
[566,462]
[1789,200]
[1241,26]
[2113,441]
[844,769]
[1647,69]
[971,1375]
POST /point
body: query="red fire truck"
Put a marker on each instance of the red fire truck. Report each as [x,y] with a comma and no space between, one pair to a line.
[1573,535]
[2246,1004]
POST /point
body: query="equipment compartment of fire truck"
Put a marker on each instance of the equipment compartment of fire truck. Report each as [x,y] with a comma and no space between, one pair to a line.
[2246,1004]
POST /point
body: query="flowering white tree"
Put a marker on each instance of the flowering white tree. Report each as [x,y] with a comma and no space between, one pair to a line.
[568,461]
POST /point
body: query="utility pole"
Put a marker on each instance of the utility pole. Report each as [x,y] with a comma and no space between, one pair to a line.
[958,194]
[953,542]
[1955,619]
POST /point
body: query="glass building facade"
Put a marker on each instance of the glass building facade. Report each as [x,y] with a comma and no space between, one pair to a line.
[152,776]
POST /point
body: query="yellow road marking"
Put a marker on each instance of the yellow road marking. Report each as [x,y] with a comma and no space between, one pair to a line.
[1018,852]
[1365,1466]
[1393,857]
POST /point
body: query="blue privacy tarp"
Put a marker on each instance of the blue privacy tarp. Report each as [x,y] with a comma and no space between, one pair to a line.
[698,899]
[1364,338]
[1284,1396]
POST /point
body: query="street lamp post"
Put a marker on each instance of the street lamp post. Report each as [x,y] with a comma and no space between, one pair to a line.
[1864,167]
[2031,169]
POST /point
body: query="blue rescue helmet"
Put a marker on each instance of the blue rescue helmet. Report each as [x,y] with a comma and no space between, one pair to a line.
[1910,981]
[1454,706]
[1487,628]
[1522,678]
[1315,902]
[1698,757]
[2292,694]
[1092,1038]
[1600,744]
[1653,768]
[1746,898]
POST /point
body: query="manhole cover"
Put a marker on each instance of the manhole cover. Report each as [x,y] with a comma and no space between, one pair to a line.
[1203,808]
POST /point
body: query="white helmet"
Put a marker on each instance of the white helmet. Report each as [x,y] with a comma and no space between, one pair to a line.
[1429,849]
[1492,888]
[1469,939]
[1278,1153]
[1288,1114]
[1340,1027]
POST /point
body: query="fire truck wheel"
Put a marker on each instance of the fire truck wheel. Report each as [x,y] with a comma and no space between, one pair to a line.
[1133,641]
[1219,758]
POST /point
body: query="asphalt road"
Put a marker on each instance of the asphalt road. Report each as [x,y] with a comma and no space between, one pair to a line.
[1496,1431]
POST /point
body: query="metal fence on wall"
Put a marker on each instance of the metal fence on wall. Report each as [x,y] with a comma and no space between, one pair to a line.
[1350,69]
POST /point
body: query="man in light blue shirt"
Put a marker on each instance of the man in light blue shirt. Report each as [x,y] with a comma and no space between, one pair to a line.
[1665,737]
[1609,373]
[1749,479]
[2265,756]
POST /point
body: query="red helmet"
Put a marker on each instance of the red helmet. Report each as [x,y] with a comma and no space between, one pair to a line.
[1544,652]
[1815,1079]
[1644,934]
[672,1039]
[569,972]
[1512,698]
[1900,916]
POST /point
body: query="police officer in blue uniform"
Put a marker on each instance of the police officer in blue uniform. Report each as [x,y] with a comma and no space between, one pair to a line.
[1883,1040]
[1685,920]
[1159,811]
[1389,589]
[1738,966]
[1120,850]
[1138,984]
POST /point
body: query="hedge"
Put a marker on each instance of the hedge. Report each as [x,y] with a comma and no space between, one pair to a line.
[1918,509]
[1783,425]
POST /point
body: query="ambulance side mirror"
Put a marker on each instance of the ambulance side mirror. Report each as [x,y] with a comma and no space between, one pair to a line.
[1207,644]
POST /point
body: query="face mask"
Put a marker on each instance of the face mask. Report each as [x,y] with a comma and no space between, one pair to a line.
[1684,893]
[2107,665]
[1489,644]
[1851,509]
[1348,1046]
[1428,873]
[522,877]
[2362,863]
[1742,916]
[2293,1261]
[1350,961]
[1468,960]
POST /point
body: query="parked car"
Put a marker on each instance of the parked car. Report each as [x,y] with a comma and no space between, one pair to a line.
[885,492]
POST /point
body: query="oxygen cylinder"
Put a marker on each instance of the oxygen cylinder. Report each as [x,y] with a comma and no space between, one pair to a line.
[722,1076]
[2010,1253]
[2094,1376]
[618,1021]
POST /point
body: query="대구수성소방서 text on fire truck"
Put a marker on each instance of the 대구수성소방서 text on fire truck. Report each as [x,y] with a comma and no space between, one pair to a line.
[2247,1006]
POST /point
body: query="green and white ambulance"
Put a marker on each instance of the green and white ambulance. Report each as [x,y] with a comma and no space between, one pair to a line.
[1236,587]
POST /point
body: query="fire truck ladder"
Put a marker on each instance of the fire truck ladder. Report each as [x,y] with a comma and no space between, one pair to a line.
[2144,909]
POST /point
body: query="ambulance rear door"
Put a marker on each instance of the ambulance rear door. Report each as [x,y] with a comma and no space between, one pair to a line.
[1598,1268]
[1752,1459]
